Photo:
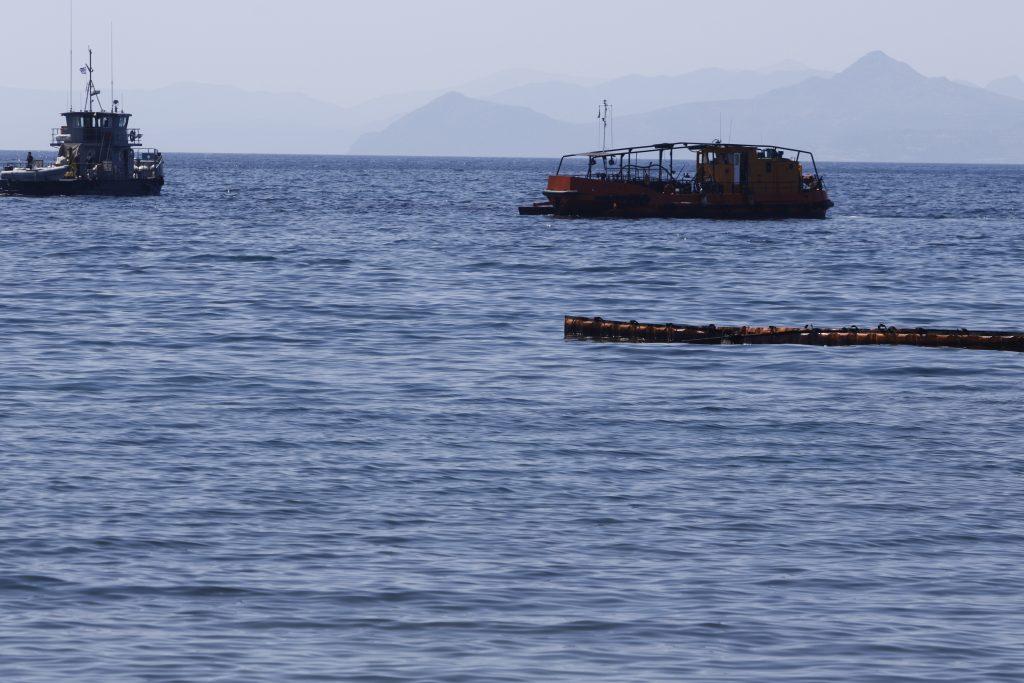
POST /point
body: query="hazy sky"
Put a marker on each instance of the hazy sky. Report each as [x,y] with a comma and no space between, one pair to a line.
[348,51]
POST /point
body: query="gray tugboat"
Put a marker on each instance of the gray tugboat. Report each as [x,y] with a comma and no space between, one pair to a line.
[97,154]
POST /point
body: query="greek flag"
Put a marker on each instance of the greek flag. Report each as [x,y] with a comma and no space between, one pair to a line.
[83,69]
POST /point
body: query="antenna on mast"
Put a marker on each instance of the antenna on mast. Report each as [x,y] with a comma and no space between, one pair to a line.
[71,54]
[90,89]
[605,113]
[113,106]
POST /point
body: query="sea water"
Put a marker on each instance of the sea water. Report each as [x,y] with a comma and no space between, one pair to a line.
[314,418]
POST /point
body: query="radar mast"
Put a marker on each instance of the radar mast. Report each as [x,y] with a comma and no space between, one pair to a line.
[91,93]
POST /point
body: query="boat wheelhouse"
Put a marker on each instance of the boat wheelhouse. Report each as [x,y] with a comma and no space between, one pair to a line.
[97,154]
[723,181]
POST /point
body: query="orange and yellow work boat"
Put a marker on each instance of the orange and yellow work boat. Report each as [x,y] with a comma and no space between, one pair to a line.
[727,181]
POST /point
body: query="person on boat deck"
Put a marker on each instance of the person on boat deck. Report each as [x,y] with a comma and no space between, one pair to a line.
[29,160]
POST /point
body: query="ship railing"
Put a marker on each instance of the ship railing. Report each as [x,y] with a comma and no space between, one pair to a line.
[59,136]
[627,155]
[756,188]
[147,154]
[653,174]
[767,187]
[12,164]
[684,181]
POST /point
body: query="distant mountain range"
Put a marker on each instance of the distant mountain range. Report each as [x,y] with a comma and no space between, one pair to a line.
[197,117]
[878,109]
[192,117]
[456,125]
[639,94]
[1012,86]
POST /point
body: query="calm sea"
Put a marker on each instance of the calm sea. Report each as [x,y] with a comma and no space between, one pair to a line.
[313,419]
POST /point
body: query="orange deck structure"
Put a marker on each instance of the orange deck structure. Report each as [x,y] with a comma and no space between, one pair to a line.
[726,181]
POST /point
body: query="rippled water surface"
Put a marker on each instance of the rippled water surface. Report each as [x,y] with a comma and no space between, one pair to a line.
[314,419]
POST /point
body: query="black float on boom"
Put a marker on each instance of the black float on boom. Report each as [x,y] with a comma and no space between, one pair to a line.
[618,331]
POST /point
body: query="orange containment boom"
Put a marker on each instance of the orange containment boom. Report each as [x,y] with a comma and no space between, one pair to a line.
[618,331]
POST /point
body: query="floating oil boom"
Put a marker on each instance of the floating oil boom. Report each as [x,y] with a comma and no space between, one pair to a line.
[669,333]
[727,181]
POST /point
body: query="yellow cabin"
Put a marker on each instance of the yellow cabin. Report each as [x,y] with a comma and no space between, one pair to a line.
[732,169]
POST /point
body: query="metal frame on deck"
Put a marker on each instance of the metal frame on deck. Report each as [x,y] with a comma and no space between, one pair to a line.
[621,153]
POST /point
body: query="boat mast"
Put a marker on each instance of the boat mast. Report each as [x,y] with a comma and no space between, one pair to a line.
[88,85]
[605,113]
[71,55]
[113,106]
[90,89]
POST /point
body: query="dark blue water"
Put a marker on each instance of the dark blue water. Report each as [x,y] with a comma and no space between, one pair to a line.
[314,419]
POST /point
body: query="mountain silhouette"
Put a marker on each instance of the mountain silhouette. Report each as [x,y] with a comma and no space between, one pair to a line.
[1011,86]
[877,109]
[456,125]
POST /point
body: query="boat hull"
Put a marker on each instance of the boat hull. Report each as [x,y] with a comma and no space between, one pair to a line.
[36,174]
[697,209]
[573,196]
[83,186]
